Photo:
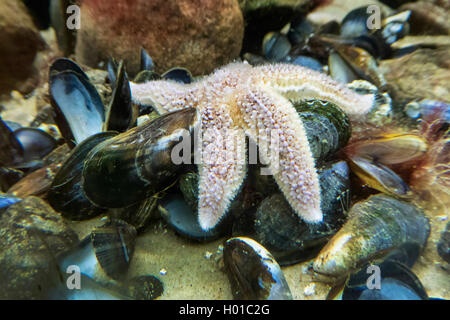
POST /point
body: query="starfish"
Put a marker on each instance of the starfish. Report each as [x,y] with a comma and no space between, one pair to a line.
[255,100]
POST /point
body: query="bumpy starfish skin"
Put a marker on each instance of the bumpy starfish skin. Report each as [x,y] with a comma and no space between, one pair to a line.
[257,101]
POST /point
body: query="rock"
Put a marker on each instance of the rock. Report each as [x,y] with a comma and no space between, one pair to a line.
[423,74]
[197,35]
[32,234]
[20,41]
[428,17]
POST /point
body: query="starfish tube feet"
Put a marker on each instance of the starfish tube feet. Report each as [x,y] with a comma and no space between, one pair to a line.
[292,164]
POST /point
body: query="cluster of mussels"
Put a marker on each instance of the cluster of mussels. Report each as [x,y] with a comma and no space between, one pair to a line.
[108,161]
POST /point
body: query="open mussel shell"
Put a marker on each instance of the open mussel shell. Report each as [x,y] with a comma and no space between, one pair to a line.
[66,194]
[397,282]
[184,220]
[253,272]
[178,74]
[146,61]
[122,113]
[390,148]
[374,228]
[379,177]
[79,110]
[107,250]
[394,27]
[36,144]
[138,163]
[114,247]
[64,64]
[327,127]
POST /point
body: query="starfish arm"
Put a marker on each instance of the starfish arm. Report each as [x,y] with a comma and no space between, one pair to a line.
[266,112]
[222,173]
[164,95]
[298,83]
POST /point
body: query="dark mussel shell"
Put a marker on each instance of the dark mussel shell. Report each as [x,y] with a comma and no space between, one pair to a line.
[327,127]
[8,177]
[278,228]
[114,247]
[374,228]
[276,46]
[65,194]
[108,249]
[122,113]
[355,23]
[136,164]
[253,272]
[79,110]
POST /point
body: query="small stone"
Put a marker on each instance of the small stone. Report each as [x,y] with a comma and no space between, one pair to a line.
[145,288]
[310,289]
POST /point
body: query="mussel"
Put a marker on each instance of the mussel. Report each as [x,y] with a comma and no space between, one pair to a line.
[253,272]
[138,163]
[66,194]
[374,227]
[278,228]
[327,127]
[107,250]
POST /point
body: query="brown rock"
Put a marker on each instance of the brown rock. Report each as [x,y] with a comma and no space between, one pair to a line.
[32,234]
[20,41]
[198,35]
[423,74]
[428,17]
